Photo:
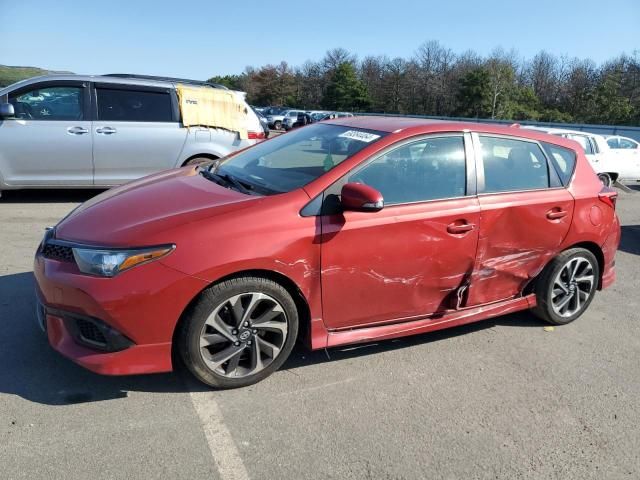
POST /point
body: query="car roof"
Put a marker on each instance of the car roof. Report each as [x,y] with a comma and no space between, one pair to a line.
[118,78]
[416,126]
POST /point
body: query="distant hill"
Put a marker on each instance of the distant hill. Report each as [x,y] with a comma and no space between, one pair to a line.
[9,75]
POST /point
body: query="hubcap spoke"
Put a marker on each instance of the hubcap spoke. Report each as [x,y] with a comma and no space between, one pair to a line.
[218,324]
[209,339]
[219,358]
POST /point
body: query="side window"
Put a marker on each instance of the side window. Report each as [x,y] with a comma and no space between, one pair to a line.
[513,165]
[613,142]
[49,103]
[584,141]
[563,160]
[624,143]
[429,169]
[133,105]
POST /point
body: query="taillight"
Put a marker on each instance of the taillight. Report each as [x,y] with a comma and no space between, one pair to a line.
[257,136]
[609,196]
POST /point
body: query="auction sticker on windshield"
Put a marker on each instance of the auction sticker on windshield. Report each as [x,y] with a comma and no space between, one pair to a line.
[360,136]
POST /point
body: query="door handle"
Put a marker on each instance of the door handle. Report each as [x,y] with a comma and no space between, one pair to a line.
[458,228]
[556,214]
[77,130]
[106,130]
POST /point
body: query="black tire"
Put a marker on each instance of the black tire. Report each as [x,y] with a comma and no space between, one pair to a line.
[277,125]
[197,161]
[545,292]
[211,299]
[605,178]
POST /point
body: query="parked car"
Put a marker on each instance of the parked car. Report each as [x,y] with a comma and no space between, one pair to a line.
[609,167]
[99,131]
[276,120]
[263,122]
[415,226]
[300,120]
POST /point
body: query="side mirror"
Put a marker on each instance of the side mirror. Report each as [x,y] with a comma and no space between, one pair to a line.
[6,110]
[359,197]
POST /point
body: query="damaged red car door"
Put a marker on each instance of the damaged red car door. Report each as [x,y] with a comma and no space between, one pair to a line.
[526,214]
[411,258]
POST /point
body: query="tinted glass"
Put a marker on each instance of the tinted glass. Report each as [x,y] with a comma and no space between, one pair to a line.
[584,141]
[50,103]
[625,143]
[512,165]
[290,161]
[134,106]
[613,142]
[426,170]
[563,160]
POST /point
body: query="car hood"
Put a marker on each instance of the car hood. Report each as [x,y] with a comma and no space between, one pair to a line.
[139,212]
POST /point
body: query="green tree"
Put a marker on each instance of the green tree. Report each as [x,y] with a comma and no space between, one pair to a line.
[474,94]
[233,82]
[344,90]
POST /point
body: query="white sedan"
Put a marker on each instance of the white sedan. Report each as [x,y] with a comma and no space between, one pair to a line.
[609,165]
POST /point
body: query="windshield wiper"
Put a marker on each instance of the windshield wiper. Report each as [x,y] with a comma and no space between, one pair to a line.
[225,180]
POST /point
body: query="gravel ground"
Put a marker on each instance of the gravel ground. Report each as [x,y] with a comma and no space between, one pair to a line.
[498,399]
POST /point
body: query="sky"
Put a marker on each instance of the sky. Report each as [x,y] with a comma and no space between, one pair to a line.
[198,39]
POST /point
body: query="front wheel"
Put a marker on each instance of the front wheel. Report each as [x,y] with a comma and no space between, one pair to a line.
[567,286]
[239,332]
[277,125]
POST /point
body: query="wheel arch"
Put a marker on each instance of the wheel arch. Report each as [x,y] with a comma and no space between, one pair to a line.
[302,305]
[210,156]
[592,247]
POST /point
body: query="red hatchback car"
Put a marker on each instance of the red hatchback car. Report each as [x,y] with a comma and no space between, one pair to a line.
[348,231]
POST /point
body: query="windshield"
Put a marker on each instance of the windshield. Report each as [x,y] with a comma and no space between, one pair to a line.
[291,161]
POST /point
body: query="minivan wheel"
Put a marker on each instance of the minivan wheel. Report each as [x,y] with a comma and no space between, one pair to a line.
[198,161]
[277,125]
[605,178]
[239,332]
[567,286]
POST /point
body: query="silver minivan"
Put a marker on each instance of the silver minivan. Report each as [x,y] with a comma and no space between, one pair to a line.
[99,131]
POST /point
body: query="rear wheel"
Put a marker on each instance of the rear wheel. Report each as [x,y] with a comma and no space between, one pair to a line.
[277,125]
[567,286]
[198,161]
[239,332]
[605,178]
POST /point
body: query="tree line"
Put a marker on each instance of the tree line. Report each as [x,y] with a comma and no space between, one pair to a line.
[437,81]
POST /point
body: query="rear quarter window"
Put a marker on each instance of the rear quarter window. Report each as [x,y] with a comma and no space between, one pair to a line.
[563,161]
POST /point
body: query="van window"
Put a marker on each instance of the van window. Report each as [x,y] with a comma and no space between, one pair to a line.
[134,105]
[49,103]
[513,165]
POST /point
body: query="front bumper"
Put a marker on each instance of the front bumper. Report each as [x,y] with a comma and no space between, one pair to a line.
[140,307]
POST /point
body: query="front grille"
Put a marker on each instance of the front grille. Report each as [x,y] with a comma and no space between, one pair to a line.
[90,332]
[57,252]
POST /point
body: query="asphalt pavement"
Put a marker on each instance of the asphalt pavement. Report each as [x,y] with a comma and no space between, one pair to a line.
[499,399]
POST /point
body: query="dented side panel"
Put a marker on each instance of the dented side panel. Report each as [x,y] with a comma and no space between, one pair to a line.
[397,263]
[517,239]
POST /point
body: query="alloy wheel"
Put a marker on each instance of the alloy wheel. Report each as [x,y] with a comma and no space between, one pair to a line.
[243,335]
[572,287]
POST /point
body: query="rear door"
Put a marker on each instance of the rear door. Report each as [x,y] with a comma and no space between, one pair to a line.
[525,215]
[49,140]
[136,132]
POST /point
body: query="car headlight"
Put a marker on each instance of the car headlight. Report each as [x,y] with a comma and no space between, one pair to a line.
[109,263]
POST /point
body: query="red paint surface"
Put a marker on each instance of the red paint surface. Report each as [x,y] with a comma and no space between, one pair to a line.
[363,275]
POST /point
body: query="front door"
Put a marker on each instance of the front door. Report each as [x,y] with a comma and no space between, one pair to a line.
[48,142]
[136,133]
[524,217]
[413,257]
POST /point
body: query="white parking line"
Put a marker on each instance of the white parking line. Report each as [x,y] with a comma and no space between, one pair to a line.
[223,449]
